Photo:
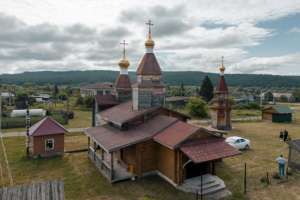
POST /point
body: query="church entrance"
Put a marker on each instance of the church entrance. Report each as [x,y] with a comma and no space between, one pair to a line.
[193,169]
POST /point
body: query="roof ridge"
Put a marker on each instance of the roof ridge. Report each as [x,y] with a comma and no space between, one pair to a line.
[166,126]
[38,124]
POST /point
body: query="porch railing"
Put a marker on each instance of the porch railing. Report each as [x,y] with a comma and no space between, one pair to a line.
[102,165]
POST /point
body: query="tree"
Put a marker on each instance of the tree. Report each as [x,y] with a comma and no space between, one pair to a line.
[296,95]
[182,90]
[268,96]
[88,101]
[197,107]
[79,101]
[55,93]
[207,89]
[21,100]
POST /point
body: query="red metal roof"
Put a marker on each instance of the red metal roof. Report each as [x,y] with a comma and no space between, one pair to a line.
[203,150]
[46,126]
[112,139]
[123,81]
[106,99]
[222,86]
[123,113]
[175,134]
[148,65]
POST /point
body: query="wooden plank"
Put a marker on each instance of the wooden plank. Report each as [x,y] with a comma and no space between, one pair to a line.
[50,190]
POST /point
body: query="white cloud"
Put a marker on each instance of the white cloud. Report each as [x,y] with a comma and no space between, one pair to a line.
[295,30]
[193,35]
[267,65]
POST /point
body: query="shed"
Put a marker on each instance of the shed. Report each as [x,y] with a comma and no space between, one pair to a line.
[294,154]
[46,138]
[277,113]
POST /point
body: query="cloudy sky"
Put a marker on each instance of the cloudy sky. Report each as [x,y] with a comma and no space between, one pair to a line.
[254,36]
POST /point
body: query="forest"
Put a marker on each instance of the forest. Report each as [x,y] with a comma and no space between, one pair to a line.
[76,78]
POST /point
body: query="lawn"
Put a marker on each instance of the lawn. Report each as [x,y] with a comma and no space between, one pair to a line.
[83,181]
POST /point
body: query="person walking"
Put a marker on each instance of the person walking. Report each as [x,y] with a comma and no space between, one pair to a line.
[285,135]
[281,165]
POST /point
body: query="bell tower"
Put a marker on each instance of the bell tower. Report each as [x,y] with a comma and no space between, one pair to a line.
[220,105]
[149,91]
[123,89]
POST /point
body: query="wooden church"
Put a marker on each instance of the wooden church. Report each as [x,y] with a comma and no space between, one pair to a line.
[136,136]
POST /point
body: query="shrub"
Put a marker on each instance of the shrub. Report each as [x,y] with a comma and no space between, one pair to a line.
[197,107]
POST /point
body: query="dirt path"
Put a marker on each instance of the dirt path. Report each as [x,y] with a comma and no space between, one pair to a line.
[11,182]
[23,133]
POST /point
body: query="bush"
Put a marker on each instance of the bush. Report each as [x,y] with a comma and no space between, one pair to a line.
[197,107]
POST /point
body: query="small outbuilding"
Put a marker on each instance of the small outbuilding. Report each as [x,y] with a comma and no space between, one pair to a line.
[277,113]
[294,154]
[46,138]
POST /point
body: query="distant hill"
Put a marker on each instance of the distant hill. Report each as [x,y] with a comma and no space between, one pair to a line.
[170,78]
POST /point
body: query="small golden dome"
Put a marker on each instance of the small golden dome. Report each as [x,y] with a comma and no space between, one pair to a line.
[222,68]
[124,63]
[149,43]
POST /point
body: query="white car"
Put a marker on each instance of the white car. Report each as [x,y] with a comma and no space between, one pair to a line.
[238,142]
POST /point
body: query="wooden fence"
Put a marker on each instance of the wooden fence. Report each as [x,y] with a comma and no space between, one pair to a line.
[50,190]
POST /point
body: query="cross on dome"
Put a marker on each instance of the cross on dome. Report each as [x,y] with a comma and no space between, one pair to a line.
[222,68]
[149,42]
[124,48]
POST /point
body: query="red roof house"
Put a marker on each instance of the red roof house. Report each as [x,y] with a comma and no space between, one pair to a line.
[46,138]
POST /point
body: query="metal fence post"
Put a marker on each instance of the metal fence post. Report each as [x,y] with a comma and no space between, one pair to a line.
[245,179]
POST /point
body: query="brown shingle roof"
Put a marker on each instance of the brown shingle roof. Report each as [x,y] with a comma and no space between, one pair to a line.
[112,139]
[175,134]
[123,81]
[203,150]
[148,65]
[123,113]
[106,99]
[46,126]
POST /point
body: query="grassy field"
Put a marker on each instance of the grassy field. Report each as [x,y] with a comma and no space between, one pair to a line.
[83,181]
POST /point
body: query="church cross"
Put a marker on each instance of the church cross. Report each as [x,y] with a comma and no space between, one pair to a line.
[124,47]
[222,61]
[149,23]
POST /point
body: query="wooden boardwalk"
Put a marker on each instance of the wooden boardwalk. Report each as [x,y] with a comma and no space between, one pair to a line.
[50,190]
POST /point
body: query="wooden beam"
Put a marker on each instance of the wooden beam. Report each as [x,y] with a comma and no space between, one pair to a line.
[112,165]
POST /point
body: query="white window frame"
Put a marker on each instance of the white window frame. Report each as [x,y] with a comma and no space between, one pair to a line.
[52,140]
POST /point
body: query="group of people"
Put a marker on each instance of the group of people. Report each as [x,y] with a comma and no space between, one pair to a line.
[284,135]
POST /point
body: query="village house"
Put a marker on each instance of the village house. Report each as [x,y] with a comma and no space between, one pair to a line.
[45,138]
[277,113]
[283,97]
[138,136]
[96,88]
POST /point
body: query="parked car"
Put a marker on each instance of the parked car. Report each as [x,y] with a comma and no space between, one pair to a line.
[238,142]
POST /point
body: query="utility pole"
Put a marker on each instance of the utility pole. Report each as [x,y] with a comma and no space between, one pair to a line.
[27,128]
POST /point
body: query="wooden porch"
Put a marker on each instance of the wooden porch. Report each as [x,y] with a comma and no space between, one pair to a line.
[110,167]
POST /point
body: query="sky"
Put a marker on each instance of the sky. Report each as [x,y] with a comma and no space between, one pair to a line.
[254,36]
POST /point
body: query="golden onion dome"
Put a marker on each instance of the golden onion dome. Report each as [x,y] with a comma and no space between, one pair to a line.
[222,68]
[149,43]
[124,63]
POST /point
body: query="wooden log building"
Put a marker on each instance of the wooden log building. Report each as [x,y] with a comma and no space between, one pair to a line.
[140,137]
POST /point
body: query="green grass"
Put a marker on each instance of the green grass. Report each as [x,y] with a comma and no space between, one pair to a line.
[82,119]
[240,113]
[82,180]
